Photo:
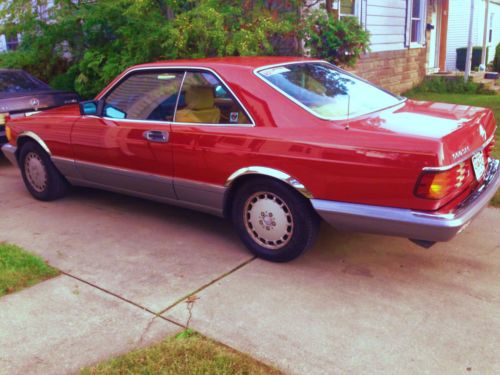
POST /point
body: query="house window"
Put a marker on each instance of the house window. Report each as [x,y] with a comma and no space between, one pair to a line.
[348,8]
[12,42]
[417,20]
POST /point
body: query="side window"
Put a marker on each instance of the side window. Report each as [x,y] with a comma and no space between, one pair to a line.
[149,95]
[204,99]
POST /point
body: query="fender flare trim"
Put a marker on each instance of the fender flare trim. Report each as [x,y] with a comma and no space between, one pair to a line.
[36,138]
[270,172]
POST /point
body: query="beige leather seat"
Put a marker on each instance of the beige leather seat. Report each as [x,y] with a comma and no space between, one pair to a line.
[200,107]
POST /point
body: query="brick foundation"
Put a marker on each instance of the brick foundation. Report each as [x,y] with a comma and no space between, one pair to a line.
[396,71]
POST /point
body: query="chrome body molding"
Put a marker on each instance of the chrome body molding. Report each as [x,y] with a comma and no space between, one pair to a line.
[270,172]
[36,138]
[10,153]
[201,194]
[407,223]
[66,166]
[185,193]
[122,178]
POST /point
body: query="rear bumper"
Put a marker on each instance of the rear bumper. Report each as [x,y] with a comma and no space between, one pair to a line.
[10,153]
[418,225]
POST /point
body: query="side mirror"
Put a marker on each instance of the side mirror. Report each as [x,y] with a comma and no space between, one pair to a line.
[112,112]
[89,108]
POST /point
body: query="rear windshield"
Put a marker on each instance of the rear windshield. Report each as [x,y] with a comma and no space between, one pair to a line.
[327,91]
[14,82]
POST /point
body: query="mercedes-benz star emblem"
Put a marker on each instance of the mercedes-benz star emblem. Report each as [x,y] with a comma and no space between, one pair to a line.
[35,103]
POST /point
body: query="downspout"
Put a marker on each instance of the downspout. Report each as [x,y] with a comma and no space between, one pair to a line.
[468,60]
[482,67]
[406,41]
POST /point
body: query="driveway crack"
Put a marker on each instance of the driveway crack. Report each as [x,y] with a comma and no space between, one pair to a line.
[156,315]
[217,279]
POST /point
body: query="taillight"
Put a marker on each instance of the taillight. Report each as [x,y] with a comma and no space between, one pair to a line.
[489,149]
[440,184]
[8,133]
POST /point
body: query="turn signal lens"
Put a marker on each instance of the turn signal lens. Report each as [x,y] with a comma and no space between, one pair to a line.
[3,116]
[8,133]
[439,185]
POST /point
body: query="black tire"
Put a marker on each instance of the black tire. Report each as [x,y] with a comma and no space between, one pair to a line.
[249,208]
[44,181]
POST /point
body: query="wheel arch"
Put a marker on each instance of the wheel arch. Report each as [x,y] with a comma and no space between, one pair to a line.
[27,136]
[243,175]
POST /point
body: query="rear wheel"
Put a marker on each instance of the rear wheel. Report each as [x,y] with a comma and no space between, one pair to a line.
[40,176]
[275,222]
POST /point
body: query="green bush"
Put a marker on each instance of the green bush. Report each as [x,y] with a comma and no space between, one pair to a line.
[339,41]
[496,60]
[449,85]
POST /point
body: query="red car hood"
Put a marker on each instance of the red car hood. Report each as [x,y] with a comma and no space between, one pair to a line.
[460,129]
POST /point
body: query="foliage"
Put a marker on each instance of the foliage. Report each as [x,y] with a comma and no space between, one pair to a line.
[450,85]
[187,354]
[20,269]
[339,41]
[82,45]
[496,60]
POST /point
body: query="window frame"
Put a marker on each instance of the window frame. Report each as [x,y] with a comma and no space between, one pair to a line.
[185,70]
[357,4]
[422,22]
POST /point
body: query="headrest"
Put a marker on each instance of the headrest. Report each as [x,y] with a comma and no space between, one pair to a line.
[200,98]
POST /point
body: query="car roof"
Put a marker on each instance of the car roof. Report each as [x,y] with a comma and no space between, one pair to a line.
[248,62]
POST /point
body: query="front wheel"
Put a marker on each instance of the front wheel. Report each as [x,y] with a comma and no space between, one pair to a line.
[40,176]
[274,221]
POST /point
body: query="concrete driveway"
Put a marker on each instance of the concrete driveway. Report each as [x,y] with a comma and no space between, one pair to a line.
[355,304]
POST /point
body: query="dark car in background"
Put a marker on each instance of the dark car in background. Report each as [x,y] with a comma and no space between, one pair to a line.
[21,94]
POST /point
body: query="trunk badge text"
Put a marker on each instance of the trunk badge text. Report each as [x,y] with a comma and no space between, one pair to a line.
[460,153]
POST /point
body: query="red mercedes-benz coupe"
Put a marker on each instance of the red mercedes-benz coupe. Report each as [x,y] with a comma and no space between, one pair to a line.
[272,143]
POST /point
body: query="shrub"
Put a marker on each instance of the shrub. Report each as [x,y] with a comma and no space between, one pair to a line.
[450,85]
[338,41]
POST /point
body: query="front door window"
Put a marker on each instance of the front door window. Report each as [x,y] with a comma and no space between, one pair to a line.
[150,95]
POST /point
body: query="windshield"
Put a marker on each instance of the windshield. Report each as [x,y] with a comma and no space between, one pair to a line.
[326,91]
[16,81]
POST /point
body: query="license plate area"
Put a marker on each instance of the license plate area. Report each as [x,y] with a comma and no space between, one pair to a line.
[478,165]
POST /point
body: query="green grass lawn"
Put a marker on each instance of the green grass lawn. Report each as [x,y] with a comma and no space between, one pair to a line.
[183,354]
[489,101]
[20,269]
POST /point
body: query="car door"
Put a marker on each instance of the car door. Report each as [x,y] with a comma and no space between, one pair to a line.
[126,148]
[209,130]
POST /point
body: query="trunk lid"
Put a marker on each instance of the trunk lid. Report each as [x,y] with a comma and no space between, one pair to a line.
[460,130]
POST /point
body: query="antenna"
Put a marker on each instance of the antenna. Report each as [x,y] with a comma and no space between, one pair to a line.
[348,110]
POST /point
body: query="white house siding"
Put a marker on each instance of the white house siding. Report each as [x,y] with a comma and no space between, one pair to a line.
[385,20]
[458,29]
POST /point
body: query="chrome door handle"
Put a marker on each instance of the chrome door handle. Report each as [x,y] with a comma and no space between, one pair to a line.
[156,136]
